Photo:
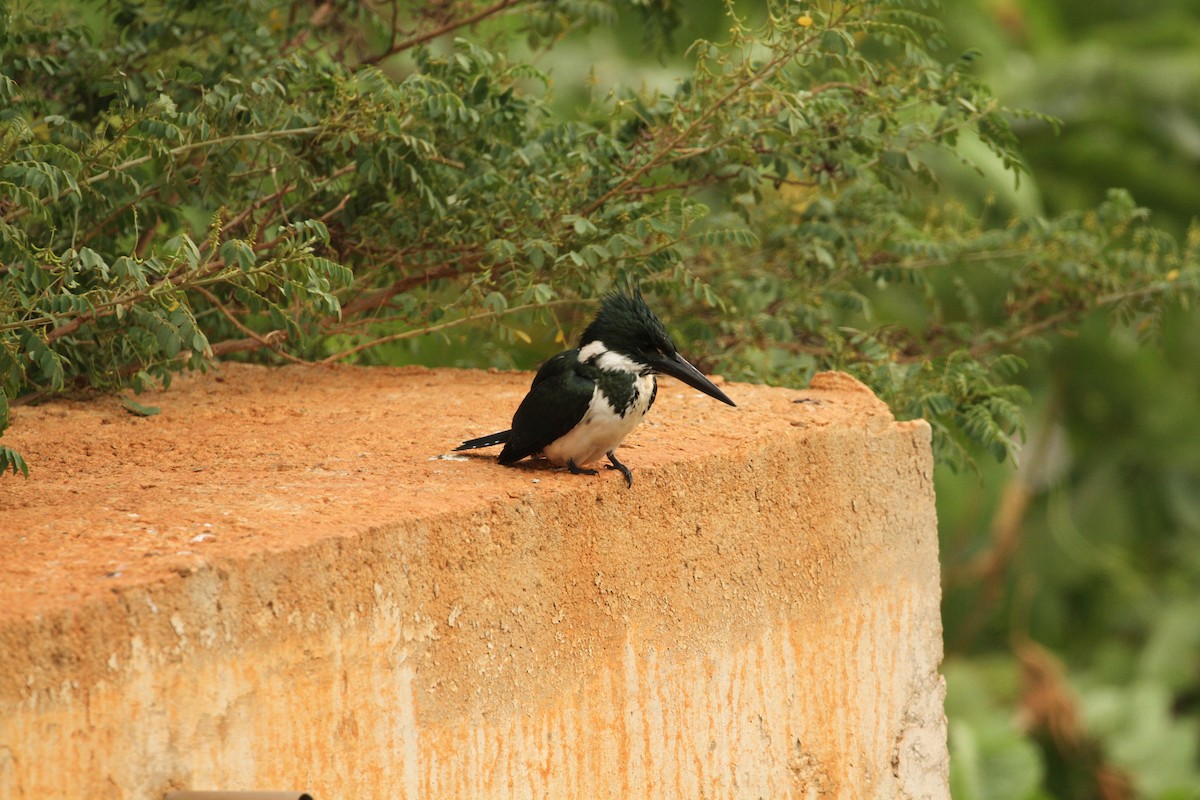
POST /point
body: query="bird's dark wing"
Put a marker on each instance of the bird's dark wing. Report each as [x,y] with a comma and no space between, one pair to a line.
[553,366]
[557,400]
[556,366]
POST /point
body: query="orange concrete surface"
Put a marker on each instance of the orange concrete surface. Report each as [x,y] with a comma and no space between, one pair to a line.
[281,582]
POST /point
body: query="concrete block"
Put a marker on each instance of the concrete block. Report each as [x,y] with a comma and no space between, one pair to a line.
[279,583]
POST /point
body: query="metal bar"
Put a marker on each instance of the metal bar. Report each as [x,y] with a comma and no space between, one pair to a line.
[206,795]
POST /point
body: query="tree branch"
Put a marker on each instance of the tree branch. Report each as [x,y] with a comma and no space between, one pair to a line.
[444,29]
[272,339]
[402,285]
[454,323]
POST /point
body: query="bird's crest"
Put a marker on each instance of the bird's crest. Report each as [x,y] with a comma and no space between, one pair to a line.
[627,325]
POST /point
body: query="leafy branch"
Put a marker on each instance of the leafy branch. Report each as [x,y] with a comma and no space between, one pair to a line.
[267,191]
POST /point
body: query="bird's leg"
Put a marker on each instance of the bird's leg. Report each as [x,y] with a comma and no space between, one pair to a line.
[618,465]
[575,469]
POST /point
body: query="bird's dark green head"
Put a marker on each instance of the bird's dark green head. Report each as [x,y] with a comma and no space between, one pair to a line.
[626,335]
[627,326]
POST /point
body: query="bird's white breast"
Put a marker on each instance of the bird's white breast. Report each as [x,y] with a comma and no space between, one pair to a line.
[601,428]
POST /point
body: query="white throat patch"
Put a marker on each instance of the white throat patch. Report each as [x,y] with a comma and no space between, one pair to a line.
[597,353]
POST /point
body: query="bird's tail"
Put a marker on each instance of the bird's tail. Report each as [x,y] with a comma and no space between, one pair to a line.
[484,441]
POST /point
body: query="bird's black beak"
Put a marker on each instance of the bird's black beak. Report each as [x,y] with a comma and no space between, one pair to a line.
[677,367]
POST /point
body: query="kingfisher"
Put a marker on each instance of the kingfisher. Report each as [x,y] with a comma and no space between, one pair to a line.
[584,402]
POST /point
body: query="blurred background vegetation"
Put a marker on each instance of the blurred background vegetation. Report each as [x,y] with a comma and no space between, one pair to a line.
[170,192]
[1072,582]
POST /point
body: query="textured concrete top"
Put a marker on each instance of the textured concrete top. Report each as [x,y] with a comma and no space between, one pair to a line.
[252,459]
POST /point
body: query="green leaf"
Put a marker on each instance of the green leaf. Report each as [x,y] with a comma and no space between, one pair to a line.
[236,252]
[11,459]
[137,409]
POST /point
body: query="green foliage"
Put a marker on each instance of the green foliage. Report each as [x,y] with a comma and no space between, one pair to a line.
[131,200]
[305,204]
[1094,554]
[1091,546]
[992,758]
[1122,78]
[960,302]
[11,459]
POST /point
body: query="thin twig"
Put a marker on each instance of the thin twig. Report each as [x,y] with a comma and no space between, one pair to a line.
[187,148]
[381,297]
[228,346]
[454,323]
[273,339]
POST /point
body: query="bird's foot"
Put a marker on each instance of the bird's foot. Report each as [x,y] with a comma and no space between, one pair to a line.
[619,466]
[575,469]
